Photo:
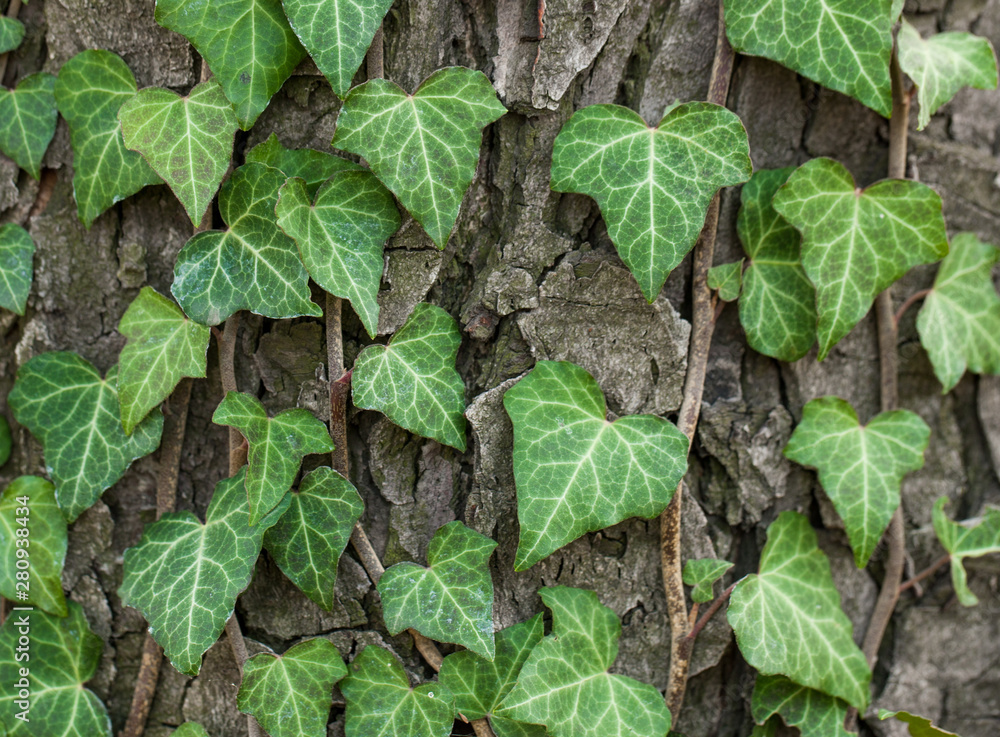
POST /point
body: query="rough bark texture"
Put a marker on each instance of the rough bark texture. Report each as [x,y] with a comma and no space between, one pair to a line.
[531,274]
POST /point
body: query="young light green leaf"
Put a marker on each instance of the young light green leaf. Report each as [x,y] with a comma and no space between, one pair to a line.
[959,324]
[74,413]
[842,44]
[28,121]
[856,243]
[252,266]
[163,347]
[564,683]
[860,468]
[788,619]
[5,440]
[17,252]
[425,146]
[575,471]
[306,163]
[32,529]
[653,185]
[380,702]
[413,380]
[701,574]
[11,34]
[814,713]
[727,279]
[91,88]
[190,729]
[277,446]
[340,236]
[307,541]
[247,43]
[964,542]
[184,576]
[291,694]
[187,140]
[916,726]
[944,64]
[64,655]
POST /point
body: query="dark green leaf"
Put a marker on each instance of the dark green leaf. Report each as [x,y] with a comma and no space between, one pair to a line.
[11,34]
[17,252]
[306,163]
[28,121]
[727,279]
[813,712]
[970,540]
[702,574]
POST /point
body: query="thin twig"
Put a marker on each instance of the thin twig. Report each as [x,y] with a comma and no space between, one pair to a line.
[12,10]
[710,612]
[926,573]
[910,301]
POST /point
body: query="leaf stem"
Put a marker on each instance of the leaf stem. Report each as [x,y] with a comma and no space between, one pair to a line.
[710,612]
[12,10]
[910,301]
[926,573]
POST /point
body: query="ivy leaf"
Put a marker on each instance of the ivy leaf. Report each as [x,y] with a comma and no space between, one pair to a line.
[64,655]
[842,44]
[252,266]
[29,504]
[163,347]
[64,402]
[340,236]
[291,694]
[726,279]
[186,140]
[277,446]
[815,713]
[413,380]
[380,701]
[702,574]
[575,471]
[184,576]
[307,163]
[959,324]
[653,185]
[564,683]
[944,64]
[856,243]
[860,468]
[91,88]
[966,542]
[916,726]
[247,43]
[308,540]
[5,440]
[17,252]
[28,121]
[190,729]
[425,146]
[11,34]
[788,619]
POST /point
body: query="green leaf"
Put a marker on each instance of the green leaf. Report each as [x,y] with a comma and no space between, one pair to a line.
[11,34]
[306,163]
[291,694]
[564,683]
[185,576]
[380,702]
[425,146]
[163,347]
[959,324]
[944,64]
[842,44]
[28,121]
[452,599]
[187,140]
[813,712]
[73,412]
[252,266]
[413,380]
[5,440]
[855,243]
[248,44]
[28,504]
[277,446]
[64,655]
[778,303]
[917,726]
[702,574]
[91,88]
[575,471]
[963,542]
[860,468]
[653,185]
[17,252]
[341,235]
[788,619]
[307,541]
[190,729]
[726,279]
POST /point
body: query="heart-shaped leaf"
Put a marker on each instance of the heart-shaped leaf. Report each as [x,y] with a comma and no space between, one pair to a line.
[727,279]
[28,117]
[306,163]
[17,252]
[575,471]
[74,413]
[966,541]
[291,694]
[340,236]
[425,146]
[5,440]
[185,576]
[163,347]
[187,140]
[702,574]
[813,712]
[855,243]
[916,726]
[788,619]
[11,34]
[452,599]
[91,88]
[653,185]
[252,266]
[277,446]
